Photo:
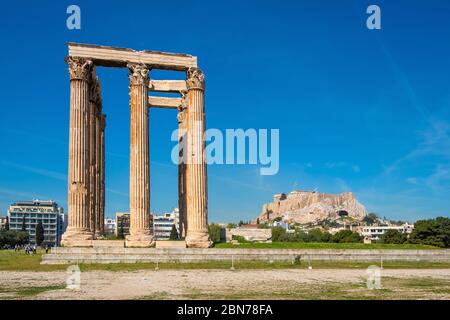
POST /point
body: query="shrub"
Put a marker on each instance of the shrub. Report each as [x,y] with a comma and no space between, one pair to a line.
[276,233]
[214,232]
[9,238]
[393,237]
[434,232]
[346,236]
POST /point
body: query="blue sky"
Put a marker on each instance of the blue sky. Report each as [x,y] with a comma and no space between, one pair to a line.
[358,110]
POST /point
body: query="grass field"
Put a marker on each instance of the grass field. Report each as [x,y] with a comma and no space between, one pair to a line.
[19,261]
[313,245]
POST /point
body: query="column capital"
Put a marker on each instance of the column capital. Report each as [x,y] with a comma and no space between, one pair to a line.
[79,68]
[138,74]
[195,79]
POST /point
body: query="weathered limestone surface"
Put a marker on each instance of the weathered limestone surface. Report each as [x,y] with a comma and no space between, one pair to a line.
[102,175]
[120,57]
[78,231]
[196,185]
[310,207]
[258,235]
[119,254]
[164,102]
[182,154]
[174,86]
[140,232]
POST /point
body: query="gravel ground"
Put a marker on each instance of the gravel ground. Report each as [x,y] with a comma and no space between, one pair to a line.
[217,284]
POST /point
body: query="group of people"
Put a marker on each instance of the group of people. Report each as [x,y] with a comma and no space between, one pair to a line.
[29,248]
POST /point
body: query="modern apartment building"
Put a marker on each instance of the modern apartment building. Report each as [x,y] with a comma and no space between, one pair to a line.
[110,226]
[122,222]
[162,224]
[373,233]
[27,214]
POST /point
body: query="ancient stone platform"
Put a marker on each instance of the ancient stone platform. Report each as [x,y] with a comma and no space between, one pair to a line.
[102,254]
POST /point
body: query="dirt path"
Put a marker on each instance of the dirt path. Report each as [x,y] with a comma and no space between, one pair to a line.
[219,284]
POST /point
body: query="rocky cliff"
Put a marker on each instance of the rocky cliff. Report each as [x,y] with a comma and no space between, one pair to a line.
[311,207]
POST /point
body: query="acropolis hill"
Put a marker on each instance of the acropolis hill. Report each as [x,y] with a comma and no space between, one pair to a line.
[311,207]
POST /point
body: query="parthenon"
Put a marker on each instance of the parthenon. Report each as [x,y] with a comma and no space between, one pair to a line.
[86,171]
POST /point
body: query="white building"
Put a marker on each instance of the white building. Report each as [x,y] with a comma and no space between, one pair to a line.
[373,233]
[110,226]
[162,224]
[3,221]
[27,214]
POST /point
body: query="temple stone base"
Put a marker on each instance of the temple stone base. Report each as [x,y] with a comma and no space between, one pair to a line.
[170,244]
[108,243]
[198,240]
[76,239]
[303,257]
[140,241]
[99,236]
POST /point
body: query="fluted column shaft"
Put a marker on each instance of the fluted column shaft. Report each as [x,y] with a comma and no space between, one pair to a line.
[98,216]
[92,150]
[140,232]
[196,179]
[182,138]
[78,229]
[102,174]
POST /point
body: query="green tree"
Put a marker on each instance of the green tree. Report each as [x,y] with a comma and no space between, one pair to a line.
[231,225]
[215,232]
[24,227]
[121,233]
[6,227]
[370,219]
[393,237]
[434,232]
[277,232]
[317,235]
[346,236]
[39,233]
[173,233]
[301,236]
[12,237]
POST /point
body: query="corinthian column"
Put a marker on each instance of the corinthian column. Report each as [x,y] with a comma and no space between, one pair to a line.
[140,232]
[93,111]
[78,231]
[182,153]
[102,174]
[98,134]
[196,182]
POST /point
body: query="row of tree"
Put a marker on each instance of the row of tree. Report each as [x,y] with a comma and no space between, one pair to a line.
[279,234]
[433,232]
[11,238]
